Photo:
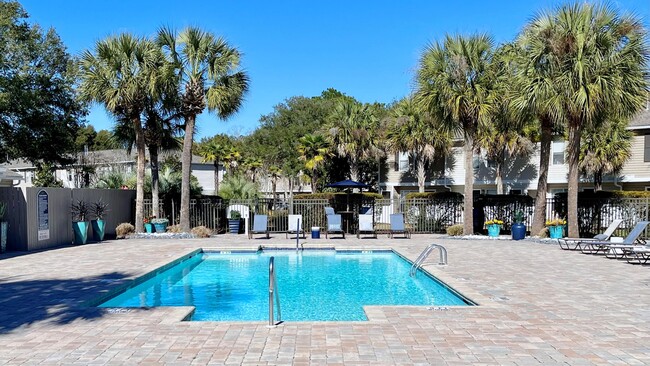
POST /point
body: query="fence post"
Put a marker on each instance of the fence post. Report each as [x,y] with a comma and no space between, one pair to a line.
[173,213]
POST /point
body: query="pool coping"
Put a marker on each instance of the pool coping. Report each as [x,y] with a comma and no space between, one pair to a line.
[186,312]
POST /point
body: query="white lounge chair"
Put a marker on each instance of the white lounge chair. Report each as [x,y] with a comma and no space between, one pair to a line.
[296,225]
[329,211]
[366,226]
[575,243]
[334,226]
[595,247]
[260,226]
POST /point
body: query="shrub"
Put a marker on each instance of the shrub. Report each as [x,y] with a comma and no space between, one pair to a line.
[632,194]
[332,195]
[201,232]
[159,221]
[234,215]
[435,195]
[455,230]
[543,233]
[124,229]
[174,229]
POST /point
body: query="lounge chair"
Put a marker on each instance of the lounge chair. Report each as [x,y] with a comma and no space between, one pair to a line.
[329,211]
[366,226]
[637,254]
[397,226]
[334,226]
[260,226]
[595,246]
[295,225]
[574,243]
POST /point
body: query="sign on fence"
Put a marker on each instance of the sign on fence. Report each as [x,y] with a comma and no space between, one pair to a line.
[43,215]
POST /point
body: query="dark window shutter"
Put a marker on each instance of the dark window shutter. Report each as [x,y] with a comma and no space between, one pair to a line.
[646,148]
[396,165]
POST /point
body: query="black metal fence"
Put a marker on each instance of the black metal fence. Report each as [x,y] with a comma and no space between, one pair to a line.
[421,215]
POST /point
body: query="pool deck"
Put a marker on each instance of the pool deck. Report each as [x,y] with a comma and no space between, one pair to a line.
[538,305]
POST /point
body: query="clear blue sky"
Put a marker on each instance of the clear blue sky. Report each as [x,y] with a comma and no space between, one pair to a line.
[366,49]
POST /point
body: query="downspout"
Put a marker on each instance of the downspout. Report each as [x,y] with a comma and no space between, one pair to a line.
[620,187]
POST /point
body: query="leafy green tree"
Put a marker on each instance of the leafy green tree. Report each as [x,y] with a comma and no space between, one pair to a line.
[85,138]
[416,132]
[45,177]
[597,70]
[207,76]
[454,85]
[104,140]
[120,73]
[39,109]
[313,149]
[605,153]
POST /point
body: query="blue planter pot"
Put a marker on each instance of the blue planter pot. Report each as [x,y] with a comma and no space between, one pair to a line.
[148,227]
[233,225]
[160,228]
[518,231]
[494,230]
[80,232]
[556,232]
[98,229]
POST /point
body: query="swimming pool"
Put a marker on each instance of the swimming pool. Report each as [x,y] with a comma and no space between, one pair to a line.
[314,285]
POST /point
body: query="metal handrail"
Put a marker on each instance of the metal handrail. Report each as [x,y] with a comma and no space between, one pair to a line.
[297,234]
[273,290]
[425,253]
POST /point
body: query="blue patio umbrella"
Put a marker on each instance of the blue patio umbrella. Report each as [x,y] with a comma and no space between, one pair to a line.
[348,184]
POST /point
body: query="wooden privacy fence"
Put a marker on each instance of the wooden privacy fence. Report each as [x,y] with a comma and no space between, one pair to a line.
[421,215]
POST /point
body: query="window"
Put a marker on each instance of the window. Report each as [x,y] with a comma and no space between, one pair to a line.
[558,152]
[515,191]
[403,159]
[646,148]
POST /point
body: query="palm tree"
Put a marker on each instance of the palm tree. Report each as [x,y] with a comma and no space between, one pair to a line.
[411,130]
[231,160]
[453,85]
[274,173]
[605,153]
[597,62]
[120,74]
[353,132]
[207,74]
[252,165]
[214,151]
[313,150]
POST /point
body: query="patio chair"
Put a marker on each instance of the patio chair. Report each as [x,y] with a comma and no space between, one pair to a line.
[637,254]
[366,226]
[260,226]
[329,211]
[595,247]
[397,226]
[574,243]
[295,226]
[334,226]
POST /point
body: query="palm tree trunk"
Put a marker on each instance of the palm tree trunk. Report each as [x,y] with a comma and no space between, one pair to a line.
[598,180]
[155,195]
[314,179]
[468,210]
[498,173]
[186,171]
[572,196]
[421,173]
[274,188]
[546,137]
[216,177]
[354,169]
[139,186]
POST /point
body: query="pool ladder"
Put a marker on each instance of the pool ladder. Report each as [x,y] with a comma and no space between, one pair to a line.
[273,290]
[425,253]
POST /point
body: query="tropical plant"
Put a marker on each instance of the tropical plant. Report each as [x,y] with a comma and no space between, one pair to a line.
[234,215]
[79,210]
[414,131]
[605,153]
[353,133]
[275,173]
[207,76]
[596,62]
[99,209]
[238,187]
[111,180]
[120,74]
[453,84]
[215,150]
[252,164]
[519,217]
[313,150]
[160,221]
[231,159]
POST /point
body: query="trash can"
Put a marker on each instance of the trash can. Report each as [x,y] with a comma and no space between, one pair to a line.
[315,232]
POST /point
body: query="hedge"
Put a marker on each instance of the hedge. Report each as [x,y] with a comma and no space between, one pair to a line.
[331,195]
[434,195]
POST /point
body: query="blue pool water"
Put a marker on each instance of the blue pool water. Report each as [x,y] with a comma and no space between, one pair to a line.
[313,285]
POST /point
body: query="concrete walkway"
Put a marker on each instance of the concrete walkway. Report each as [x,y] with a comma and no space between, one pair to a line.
[538,305]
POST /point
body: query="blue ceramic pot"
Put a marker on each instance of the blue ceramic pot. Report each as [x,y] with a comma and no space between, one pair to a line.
[518,231]
[494,230]
[556,232]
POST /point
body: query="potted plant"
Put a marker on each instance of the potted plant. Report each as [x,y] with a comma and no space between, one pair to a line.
[99,209]
[148,226]
[494,227]
[234,221]
[556,228]
[518,228]
[160,224]
[79,210]
[3,227]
